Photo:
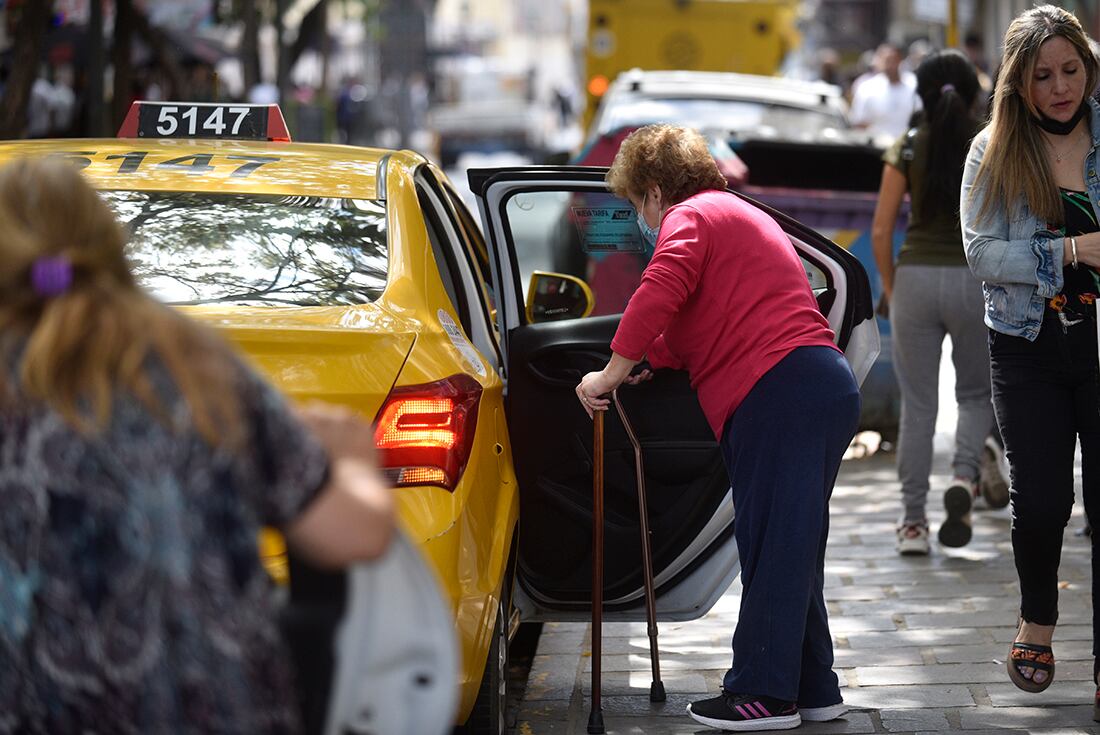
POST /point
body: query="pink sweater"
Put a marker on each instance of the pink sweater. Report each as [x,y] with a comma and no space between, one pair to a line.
[725,297]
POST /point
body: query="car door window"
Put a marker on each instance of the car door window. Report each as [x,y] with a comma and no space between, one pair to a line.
[461,278]
[444,258]
[592,235]
[476,252]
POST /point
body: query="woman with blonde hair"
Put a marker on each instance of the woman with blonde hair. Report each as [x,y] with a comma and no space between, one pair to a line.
[725,297]
[138,460]
[1030,199]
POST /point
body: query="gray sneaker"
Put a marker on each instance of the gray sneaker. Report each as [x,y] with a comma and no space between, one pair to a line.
[958,499]
[993,480]
[913,539]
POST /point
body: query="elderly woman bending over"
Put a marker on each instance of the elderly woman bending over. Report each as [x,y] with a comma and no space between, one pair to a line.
[725,297]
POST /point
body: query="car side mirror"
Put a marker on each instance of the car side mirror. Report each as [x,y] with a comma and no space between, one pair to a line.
[555,296]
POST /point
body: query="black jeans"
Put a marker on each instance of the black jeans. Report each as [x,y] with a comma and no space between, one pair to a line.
[1046,397]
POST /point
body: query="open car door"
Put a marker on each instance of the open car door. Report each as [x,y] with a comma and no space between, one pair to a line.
[565,257]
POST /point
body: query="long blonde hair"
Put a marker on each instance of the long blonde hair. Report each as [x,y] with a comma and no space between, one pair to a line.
[78,347]
[1015,163]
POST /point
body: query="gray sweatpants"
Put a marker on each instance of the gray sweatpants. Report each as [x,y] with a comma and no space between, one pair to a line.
[928,303]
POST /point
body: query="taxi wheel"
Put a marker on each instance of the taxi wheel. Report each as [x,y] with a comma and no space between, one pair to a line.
[488,716]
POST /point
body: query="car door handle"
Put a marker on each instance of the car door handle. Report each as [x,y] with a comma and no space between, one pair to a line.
[566,366]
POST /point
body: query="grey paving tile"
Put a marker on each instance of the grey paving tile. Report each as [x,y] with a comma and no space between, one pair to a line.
[997,718]
[542,727]
[848,624]
[856,593]
[1006,617]
[920,637]
[551,676]
[640,662]
[853,722]
[549,709]
[909,697]
[1062,691]
[966,619]
[561,644]
[635,706]
[637,683]
[618,725]
[911,720]
[927,575]
[996,652]
[896,606]
[929,674]
[1061,634]
[852,657]
[917,591]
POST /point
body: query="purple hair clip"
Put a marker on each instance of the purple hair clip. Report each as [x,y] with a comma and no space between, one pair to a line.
[947,88]
[51,275]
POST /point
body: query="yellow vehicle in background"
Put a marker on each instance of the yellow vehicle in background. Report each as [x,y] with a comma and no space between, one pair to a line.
[749,36]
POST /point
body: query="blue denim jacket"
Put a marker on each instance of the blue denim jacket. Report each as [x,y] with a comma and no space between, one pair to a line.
[1017,257]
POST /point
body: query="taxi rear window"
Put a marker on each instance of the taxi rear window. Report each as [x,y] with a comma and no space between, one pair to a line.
[255,250]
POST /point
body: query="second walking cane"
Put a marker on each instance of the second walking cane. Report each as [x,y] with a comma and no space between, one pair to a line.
[657,687]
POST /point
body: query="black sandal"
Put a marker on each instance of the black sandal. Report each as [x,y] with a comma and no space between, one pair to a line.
[1034,657]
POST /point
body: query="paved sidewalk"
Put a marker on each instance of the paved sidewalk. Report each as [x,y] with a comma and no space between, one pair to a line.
[920,642]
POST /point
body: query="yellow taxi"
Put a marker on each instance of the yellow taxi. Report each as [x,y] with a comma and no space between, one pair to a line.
[358,276]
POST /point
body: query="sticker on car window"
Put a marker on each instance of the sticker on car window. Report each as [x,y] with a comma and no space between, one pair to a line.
[458,339]
[608,229]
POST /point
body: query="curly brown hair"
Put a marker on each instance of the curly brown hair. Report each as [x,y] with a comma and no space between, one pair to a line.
[674,158]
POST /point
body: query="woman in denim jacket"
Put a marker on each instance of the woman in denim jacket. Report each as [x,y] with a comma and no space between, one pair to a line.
[1029,208]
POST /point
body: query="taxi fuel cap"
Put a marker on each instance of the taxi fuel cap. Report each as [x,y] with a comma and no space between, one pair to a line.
[215,120]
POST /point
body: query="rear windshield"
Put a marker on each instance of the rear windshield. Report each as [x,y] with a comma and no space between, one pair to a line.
[255,250]
[732,115]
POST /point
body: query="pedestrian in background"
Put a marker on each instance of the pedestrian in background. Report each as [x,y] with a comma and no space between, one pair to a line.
[1029,218]
[883,103]
[725,297]
[931,294]
[138,461]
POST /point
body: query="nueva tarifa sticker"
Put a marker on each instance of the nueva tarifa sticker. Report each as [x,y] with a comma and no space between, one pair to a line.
[458,339]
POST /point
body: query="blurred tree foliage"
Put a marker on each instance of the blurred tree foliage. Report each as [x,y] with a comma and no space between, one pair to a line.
[28,22]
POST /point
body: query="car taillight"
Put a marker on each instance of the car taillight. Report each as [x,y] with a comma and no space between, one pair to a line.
[424,433]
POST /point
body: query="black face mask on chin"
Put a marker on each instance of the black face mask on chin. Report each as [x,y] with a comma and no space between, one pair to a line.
[1055,127]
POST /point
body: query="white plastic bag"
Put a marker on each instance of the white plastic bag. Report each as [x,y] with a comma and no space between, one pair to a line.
[397,659]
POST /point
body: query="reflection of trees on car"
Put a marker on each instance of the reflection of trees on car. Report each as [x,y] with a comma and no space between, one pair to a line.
[191,248]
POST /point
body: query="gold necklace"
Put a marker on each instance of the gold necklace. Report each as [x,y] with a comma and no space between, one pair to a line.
[1059,157]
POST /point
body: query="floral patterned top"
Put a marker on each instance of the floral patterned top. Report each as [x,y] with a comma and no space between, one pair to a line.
[1077,301]
[132,599]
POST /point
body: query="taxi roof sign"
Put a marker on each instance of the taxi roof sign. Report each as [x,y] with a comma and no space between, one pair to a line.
[204,120]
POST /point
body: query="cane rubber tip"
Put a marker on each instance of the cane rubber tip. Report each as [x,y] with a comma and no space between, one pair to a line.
[657,691]
[595,723]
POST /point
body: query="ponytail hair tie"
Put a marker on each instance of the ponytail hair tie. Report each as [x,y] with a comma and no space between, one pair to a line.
[947,88]
[51,275]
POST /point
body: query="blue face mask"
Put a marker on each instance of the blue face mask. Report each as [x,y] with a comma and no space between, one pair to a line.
[649,234]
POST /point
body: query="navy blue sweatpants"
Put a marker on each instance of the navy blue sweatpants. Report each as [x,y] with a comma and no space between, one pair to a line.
[782,448]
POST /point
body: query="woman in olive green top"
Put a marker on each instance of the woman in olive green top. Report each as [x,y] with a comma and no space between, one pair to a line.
[931,293]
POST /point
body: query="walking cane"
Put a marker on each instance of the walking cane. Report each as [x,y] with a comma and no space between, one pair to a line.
[657,687]
[595,716]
